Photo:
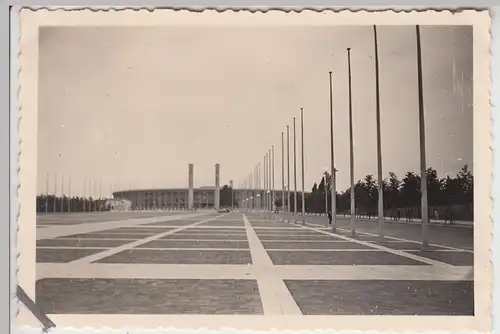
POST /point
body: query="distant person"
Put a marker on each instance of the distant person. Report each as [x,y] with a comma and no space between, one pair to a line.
[398,215]
[449,216]
[410,215]
[435,214]
[329,217]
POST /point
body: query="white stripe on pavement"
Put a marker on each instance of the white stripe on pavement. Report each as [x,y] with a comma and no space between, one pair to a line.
[386,249]
[222,271]
[60,231]
[121,248]
[275,297]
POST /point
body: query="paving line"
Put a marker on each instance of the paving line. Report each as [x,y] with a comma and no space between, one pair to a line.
[283,272]
[275,297]
[86,228]
[413,241]
[305,241]
[401,239]
[123,233]
[320,250]
[104,239]
[318,236]
[202,240]
[69,247]
[115,250]
[155,227]
[386,249]
[150,248]
[353,250]
[143,271]
[375,272]
[214,234]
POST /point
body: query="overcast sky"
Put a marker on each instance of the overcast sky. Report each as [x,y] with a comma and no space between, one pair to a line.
[131,107]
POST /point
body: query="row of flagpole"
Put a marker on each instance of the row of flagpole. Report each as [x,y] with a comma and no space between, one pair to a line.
[268,186]
[265,199]
[91,189]
[380,180]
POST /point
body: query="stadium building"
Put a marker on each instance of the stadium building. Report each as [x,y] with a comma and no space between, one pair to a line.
[203,198]
[192,198]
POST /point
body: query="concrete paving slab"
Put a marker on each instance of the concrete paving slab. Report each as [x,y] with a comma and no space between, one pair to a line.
[106,236]
[179,257]
[204,236]
[195,244]
[270,237]
[339,258]
[403,245]
[374,297]
[79,243]
[120,232]
[289,233]
[56,255]
[171,223]
[268,224]
[148,296]
[453,258]
[309,245]
[213,232]
[143,229]
[222,223]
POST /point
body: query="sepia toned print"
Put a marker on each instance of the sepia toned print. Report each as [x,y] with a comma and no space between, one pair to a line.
[225,169]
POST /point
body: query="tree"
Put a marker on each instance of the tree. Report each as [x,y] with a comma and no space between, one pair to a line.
[225,196]
[466,181]
[410,190]
[393,189]
[433,187]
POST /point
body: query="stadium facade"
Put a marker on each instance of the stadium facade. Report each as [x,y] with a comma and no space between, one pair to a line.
[192,198]
[203,198]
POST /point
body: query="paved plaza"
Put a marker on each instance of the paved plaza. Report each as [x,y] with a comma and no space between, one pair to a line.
[247,263]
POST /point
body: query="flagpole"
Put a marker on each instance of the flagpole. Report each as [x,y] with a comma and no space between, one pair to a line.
[423,164]
[90,194]
[62,193]
[282,172]
[265,182]
[47,193]
[100,195]
[333,175]
[288,167]
[294,169]
[379,143]
[273,188]
[256,186]
[270,182]
[351,144]
[69,193]
[257,181]
[302,155]
[84,195]
[55,192]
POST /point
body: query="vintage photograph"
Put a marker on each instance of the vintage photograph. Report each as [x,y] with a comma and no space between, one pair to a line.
[256,169]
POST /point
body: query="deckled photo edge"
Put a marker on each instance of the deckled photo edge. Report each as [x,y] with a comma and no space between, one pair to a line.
[31,20]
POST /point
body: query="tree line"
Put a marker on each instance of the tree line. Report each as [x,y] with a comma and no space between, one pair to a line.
[51,203]
[400,195]
[444,193]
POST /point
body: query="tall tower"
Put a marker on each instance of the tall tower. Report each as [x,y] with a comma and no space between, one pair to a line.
[217,187]
[232,194]
[191,186]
